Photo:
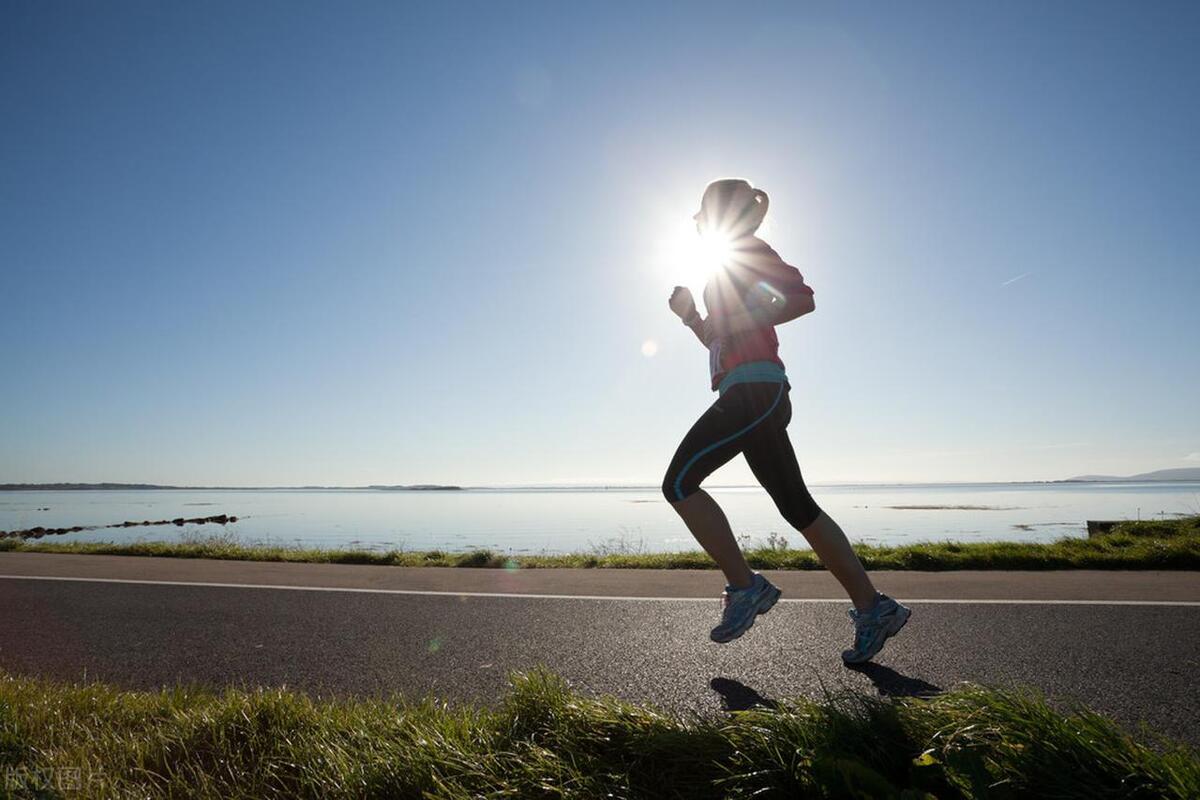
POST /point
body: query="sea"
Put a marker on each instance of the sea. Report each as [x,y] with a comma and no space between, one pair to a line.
[552,520]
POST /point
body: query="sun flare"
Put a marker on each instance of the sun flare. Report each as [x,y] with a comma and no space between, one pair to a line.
[690,258]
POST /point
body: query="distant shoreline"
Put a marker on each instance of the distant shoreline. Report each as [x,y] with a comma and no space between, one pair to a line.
[1145,545]
[141,487]
[113,487]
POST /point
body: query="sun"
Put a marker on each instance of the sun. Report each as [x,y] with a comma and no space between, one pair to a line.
[714,249]
[689,258]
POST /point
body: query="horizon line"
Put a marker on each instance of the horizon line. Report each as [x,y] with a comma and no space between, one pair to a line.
[435,487]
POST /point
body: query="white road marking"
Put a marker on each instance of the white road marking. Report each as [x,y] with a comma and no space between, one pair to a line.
[626,598]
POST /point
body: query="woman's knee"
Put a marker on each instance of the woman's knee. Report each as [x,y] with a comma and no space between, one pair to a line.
[668,489]
[671,491]
[676,488]
[801,511]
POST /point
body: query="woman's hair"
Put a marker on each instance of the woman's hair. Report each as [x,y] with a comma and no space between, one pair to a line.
[732,207]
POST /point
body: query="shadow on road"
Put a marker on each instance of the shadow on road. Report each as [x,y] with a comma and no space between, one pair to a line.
[892,684]
[737,696]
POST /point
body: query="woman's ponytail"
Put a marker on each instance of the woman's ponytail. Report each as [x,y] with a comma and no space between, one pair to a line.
[762,201]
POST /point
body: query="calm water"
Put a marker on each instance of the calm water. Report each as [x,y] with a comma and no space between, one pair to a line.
[569,520]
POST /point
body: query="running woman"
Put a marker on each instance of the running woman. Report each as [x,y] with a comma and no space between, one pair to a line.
[753,291]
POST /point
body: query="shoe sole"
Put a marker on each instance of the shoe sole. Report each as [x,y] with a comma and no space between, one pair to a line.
[890,634]
[767,604]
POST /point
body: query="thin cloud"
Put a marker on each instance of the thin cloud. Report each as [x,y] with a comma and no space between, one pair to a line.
[1014,280]
[1192,457]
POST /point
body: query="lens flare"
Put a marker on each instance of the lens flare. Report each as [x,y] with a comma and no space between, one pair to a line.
[649,348]
[714,250]
[688,258]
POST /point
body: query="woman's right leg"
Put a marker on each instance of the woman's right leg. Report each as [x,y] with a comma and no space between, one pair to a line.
[773,461]
[829,542]
[876,617]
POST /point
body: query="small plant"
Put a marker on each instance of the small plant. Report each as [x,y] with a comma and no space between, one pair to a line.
[622,544]
[777,542]
[480,558]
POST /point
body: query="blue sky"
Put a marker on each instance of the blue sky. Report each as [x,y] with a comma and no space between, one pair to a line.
[346,243]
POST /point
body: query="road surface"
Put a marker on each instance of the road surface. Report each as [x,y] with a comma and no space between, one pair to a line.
[1125,643]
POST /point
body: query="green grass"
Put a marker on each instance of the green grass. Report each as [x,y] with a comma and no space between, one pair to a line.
[1167,544]
[545,741]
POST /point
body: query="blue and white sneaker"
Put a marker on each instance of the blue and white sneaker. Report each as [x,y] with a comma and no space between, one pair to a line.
[873,628]
[742,607]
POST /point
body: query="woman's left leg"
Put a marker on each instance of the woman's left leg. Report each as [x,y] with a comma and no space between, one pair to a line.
[708,524]
[713,440]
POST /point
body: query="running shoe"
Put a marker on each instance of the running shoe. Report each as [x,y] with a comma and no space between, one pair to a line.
[742,607]
[873,628]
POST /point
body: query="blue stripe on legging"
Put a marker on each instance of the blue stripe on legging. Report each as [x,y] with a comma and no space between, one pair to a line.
[726,440]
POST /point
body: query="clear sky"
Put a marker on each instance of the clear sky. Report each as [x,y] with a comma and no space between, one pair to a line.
[347,243]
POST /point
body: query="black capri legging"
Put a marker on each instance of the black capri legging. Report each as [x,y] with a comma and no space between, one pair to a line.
[752,419]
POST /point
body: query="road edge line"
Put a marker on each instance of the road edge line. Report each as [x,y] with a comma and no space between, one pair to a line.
[625,598]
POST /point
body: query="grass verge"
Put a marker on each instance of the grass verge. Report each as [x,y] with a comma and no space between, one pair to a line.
[545,741]
[1167,545]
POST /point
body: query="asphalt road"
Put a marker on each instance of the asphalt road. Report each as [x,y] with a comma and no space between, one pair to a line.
[1090,642]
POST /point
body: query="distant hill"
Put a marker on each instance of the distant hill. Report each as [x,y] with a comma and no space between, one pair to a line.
[1181,474]
[82,487]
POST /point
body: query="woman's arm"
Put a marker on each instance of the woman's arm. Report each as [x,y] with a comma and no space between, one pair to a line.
[701,327]
[792,306]
[684,306]
[780,294]
[773,310]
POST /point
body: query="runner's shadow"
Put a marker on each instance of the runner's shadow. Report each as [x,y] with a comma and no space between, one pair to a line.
[737,696]
[892,684]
